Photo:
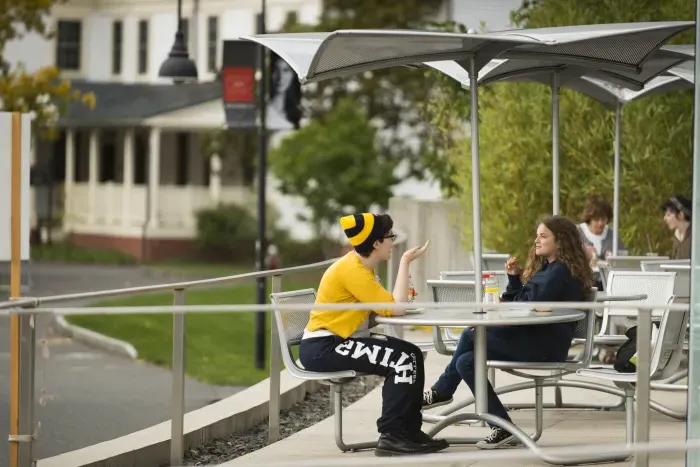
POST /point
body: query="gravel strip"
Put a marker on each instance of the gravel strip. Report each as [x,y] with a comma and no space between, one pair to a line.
[313,409]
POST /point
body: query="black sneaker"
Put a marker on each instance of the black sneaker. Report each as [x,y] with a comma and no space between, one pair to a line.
[399,444]
[432,398]
[497,439]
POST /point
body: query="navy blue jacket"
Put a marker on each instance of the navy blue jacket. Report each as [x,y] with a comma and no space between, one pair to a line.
[552,283]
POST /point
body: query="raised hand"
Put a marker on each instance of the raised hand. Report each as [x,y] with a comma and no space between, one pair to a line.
[415,253]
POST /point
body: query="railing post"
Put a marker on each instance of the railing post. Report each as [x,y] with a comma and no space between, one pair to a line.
[275,371]
[27,356]
[177,403]
[641,428]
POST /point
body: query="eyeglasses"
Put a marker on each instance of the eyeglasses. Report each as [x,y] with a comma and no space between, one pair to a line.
[392,236]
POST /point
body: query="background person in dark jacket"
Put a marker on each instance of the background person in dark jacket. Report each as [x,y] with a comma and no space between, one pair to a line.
[557,271]
[678,211]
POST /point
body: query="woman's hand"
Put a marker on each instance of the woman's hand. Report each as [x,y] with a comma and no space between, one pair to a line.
[415,253]
[513,267]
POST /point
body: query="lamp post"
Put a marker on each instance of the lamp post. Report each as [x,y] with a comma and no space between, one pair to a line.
[178,66]
[261,244]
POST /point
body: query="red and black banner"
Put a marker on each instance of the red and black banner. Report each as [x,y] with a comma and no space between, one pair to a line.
[238,81]
[239,88]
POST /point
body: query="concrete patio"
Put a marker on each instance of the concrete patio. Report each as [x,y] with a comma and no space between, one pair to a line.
[561,427]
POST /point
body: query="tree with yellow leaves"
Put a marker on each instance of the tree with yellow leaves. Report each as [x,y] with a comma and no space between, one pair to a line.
[43,93]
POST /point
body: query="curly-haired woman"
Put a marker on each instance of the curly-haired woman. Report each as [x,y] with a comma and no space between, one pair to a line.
[557,270]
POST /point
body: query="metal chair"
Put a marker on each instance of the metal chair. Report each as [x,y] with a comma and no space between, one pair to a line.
[657,286]
[547,372]
[666,356]
[290,326]
[469,276]
[448,291]
[654,265]
[491,261]
[629,263]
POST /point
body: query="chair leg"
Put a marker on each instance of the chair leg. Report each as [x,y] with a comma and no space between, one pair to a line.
[629,419]
[539,409]
[337,404]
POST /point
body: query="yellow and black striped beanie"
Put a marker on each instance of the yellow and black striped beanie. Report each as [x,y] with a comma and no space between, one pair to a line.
[360,228]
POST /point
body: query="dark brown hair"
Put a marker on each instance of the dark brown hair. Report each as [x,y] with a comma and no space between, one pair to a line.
[570,252]
[596,207]
[383,223]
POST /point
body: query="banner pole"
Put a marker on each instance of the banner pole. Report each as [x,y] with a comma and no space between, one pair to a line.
[15,281]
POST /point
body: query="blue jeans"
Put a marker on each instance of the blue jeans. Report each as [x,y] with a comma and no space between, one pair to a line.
[502,343]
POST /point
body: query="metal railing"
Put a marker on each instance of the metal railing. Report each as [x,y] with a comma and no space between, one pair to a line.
[27,360]
[28,308]
[642,422]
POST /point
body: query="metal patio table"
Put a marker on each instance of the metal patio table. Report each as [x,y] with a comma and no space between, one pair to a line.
[480,321]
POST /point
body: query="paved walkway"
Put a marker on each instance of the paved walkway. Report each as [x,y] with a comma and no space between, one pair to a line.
[315,445]
[92,396]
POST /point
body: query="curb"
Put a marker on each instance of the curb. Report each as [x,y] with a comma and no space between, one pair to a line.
[151,446]
[95,339]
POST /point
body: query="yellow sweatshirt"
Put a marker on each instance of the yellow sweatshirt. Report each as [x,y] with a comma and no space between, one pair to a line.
[347,281]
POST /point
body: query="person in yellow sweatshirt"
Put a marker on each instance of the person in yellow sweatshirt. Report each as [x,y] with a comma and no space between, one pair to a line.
[340,340]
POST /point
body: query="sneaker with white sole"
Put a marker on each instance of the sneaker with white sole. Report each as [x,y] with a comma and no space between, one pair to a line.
[498,438]
[432,398]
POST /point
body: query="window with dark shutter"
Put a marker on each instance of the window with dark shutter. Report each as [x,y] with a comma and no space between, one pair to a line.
[68,44]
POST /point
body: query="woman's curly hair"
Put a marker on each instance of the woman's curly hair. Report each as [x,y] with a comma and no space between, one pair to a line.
[570,251]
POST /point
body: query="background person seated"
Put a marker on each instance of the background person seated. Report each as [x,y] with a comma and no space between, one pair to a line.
[678,211]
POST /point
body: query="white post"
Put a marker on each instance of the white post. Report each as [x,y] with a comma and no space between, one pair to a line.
[128,176]
[93,172]
[555,144]
[153,177]
[215,178]
[616,179]
[70,179]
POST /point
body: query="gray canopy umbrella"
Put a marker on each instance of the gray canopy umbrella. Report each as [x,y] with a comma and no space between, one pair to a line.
[614,47]
[602,86]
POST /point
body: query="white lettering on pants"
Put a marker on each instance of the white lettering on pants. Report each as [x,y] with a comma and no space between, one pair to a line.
[344,348]
[361,349]
[404,372]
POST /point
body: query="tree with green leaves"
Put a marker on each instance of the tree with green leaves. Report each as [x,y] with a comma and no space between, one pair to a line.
[43,93]
[334,163]
[392,97]
[515,142]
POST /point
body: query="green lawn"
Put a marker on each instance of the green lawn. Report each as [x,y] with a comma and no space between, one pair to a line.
[219,346]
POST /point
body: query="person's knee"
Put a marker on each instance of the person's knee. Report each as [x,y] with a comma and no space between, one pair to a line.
[467,339]
[465,365]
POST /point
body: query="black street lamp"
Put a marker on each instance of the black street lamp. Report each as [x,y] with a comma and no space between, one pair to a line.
[261,244]
[178,66]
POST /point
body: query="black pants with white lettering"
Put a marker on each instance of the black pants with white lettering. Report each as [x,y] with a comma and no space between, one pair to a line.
[398,361]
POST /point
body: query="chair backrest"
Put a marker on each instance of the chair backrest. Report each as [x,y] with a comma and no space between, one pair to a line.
[682,287]
[452,291]
[585,329]
[291,324]
[629,263]
[469,276]
[657,286]
[493,261]
[290,327]
[667,352]
[655,264]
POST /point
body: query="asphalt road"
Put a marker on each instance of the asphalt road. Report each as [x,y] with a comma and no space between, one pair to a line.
[86,396]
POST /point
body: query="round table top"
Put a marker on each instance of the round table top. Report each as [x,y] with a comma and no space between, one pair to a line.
[603,297]
[462,318]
